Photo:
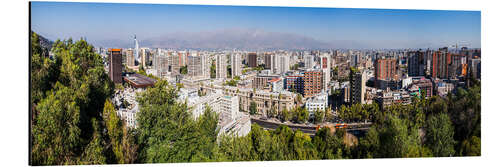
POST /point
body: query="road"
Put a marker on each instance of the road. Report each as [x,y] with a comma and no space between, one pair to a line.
[357,128]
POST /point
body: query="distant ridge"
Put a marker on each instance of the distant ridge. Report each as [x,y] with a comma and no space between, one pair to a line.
[234,39]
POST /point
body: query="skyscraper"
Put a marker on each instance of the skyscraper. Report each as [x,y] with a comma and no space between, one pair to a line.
[136,49]
[175,63]
[268,61]
[440,61]
[130,57]
[385,69]
[160,63]
[283,64]
[252,60]
[416,63]
[325,67]
[115,65]
[358,88]
[235,65]
[309,61]
[194,66]
[221,69]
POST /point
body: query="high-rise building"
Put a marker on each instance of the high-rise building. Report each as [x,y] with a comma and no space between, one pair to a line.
[475,68]
[194,66]
[252,60]
[358,88]
[130,57]
[161,63]
[145,57]
[295,84]
[282,64]
[440,61]
[416,63]
[205,66]
[313,82]
[268,61]
[176,63]
[235,65]
[309,61]
[115,65]
[136,51]
[385,69]
[325,67]
[221,69]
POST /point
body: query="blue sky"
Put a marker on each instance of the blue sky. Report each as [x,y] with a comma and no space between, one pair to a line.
[378,27]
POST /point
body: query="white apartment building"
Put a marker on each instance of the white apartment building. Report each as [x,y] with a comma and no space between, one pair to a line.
[235,65]
[318,102]
[309,61]
[221,69]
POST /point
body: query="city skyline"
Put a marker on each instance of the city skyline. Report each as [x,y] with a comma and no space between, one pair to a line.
[163,25]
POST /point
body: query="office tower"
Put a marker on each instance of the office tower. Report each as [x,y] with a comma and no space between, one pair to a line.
[325,67]
[175,63]
[455,66]
[194,66]
[313,82]
[252,60]
[358,88]
[440,63]
[354,59]
[268,61]
[136,51]
[115,65]
[385,69]
[205,65]
[235,65]
[282,64]
[475,68]
[309,61]
[160,63]
[416,63]
[130,57]
[221,69]
[144,54]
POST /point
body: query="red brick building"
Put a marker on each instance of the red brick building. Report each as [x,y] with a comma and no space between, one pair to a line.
[313,83]
[385,69]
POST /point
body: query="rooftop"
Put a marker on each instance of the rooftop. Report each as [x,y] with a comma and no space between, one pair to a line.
[139,81]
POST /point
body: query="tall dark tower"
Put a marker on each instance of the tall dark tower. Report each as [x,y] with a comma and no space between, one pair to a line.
[252,60]
[115,65]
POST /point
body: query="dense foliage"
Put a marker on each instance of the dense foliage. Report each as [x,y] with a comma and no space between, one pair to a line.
[68,93]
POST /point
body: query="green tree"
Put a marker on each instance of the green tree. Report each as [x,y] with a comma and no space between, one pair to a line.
[318,116]
[94,152]
[302,146]
[184,70]
[397,140]
[471,147]
[261,142]
[286,115]
[253,108]
[56,133]
[114,130]
[439,135]
[168,133]
[327,143]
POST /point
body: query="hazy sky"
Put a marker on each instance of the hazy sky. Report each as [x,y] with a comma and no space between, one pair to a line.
[377,27]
